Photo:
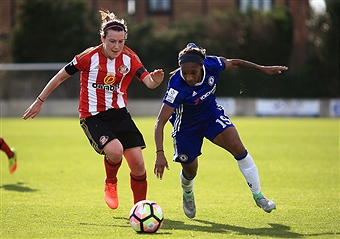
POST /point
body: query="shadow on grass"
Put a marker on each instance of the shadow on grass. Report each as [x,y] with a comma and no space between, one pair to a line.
[276,230]
[19,187]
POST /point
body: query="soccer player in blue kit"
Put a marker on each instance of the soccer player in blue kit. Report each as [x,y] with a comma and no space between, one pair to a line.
[190,105]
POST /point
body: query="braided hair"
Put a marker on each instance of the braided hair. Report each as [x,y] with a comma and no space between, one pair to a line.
[110,21]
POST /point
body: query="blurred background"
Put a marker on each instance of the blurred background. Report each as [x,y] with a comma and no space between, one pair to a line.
[303,35]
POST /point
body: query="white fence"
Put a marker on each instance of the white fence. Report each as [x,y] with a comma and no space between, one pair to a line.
[233,107]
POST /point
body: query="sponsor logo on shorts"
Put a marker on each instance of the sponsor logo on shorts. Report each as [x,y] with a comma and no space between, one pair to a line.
[103,139]
[183,157]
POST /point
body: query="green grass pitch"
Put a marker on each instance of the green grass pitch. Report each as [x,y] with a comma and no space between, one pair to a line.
[57,190]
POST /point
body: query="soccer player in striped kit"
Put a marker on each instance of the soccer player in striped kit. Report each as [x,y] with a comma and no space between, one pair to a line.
[190,105]
[106,71]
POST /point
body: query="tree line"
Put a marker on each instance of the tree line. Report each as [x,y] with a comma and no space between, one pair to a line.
[54,31]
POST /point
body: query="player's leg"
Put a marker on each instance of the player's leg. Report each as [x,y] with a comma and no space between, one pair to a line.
[11,155]
[223,133]
[138,180]
[187,149]
[133,143]
[105,142]
[230,140]
[112,161]
[187,176]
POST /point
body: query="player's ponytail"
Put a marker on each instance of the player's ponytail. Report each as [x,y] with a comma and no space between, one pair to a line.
[110,21]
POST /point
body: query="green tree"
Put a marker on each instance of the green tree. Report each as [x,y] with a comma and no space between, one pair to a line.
[254,36]
[53,31]
[261,37]
[323,65]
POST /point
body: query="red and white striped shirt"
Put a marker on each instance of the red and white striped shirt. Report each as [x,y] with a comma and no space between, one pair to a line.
[103,82]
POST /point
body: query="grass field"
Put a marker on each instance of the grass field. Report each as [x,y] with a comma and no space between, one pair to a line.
[57,190]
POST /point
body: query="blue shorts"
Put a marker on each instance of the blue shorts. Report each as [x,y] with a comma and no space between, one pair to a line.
[188,144]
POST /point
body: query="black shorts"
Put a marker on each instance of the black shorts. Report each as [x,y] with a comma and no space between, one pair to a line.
[112,124]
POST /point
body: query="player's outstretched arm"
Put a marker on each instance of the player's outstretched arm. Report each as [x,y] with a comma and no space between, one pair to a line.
[36,106]
[243,64]
[272,70]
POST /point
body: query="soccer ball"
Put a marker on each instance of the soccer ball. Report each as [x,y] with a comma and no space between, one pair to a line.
[146,216]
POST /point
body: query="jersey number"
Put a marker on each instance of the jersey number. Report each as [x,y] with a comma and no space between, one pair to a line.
[223,121]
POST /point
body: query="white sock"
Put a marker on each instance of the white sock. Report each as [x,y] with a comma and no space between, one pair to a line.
[250,173]
[186,184]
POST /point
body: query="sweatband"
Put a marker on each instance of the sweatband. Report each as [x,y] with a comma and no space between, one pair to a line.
[190,58]
[113,26]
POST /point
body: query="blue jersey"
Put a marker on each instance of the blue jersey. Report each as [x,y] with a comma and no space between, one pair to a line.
[193,105]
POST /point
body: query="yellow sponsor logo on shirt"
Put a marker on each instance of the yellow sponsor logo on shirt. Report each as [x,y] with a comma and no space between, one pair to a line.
[109,79]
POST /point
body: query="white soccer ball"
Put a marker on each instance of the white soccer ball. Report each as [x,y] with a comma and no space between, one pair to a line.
[146,216]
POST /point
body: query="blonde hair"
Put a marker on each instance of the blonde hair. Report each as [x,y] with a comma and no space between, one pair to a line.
[110,21]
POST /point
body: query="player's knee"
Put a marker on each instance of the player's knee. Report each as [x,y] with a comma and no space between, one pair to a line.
[237,149]
[189,174]
[114,149]
[138,167]
[114,152]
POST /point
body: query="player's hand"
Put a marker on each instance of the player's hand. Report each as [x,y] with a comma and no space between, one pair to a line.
[160,164]
[157,76]
[33,110]
[272,70]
